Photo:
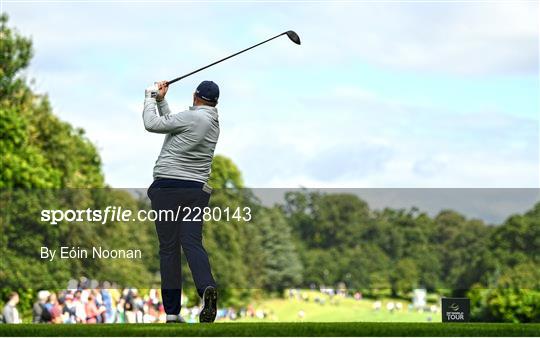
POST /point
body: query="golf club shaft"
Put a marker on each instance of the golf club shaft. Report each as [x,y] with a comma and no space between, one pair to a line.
[228,57]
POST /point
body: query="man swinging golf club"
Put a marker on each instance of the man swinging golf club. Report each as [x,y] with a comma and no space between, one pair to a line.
[180,175]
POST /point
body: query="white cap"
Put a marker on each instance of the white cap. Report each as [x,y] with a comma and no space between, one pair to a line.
[43,295]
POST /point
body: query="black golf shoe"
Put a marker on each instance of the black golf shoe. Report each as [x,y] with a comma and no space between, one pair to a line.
[209,307]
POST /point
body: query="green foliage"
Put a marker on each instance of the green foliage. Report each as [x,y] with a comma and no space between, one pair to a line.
[517,238]
[225,174]
[405,276]
[37,149]
[25,234]
[464,248]
[514,298]
[513,290]
[281,266]
[16,55]
[316,215]
[42,157]
[341,240]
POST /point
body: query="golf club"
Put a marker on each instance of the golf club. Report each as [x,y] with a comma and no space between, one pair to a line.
[290,34]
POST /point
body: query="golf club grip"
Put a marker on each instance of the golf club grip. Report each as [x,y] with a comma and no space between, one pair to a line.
[175,80]
[226,58]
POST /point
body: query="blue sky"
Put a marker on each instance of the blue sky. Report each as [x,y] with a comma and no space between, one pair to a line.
[386,94]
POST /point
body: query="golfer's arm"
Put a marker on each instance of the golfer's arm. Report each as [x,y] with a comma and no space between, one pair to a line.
[163,107]
[170,123]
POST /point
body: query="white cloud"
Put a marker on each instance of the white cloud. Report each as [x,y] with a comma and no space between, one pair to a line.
[370,142]
[95,61]
[462,38]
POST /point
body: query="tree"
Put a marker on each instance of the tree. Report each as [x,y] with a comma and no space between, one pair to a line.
[281,265]
[326,220]
[404,277]
[465,255]
[225,174]
[514,298]
[513,293]
[45,163]
[518,239]
[37,149]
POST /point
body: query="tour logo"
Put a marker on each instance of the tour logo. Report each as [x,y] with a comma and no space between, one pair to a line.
[455,309]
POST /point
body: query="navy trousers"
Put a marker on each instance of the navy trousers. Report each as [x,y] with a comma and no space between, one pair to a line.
[169,194]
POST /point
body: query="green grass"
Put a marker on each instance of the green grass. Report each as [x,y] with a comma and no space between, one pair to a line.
[339,309]
[275,329]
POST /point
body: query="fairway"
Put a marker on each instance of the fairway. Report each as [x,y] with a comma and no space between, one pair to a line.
[338,309]
[276,329]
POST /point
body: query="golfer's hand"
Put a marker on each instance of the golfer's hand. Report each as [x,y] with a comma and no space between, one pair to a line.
[151,92]
[163,86]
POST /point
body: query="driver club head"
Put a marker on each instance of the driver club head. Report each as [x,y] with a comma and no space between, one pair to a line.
[293,36]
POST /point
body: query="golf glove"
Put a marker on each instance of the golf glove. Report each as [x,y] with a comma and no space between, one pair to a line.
[151,92]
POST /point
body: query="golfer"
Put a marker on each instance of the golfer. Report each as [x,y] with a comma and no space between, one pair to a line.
[180,180]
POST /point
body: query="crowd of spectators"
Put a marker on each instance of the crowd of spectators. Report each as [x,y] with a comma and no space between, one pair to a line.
[89,302]
[93,306]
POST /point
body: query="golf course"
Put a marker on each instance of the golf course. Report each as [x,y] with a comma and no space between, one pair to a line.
[285,169]
[277,329]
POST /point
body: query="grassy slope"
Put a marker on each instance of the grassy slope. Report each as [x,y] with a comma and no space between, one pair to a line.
[341,310]
[275,329]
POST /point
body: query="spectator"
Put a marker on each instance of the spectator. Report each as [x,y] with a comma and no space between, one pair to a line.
[40,314]
[96,294]
[69,315]
[10,312]
[390,307]
[138,303]
[301,314]
[93,313]
[54,309]
[129,309]
[108,304]
[357,296]
[121,311]
[232,314]
[80,309]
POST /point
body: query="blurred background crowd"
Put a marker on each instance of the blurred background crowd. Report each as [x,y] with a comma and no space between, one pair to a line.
[90,302]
